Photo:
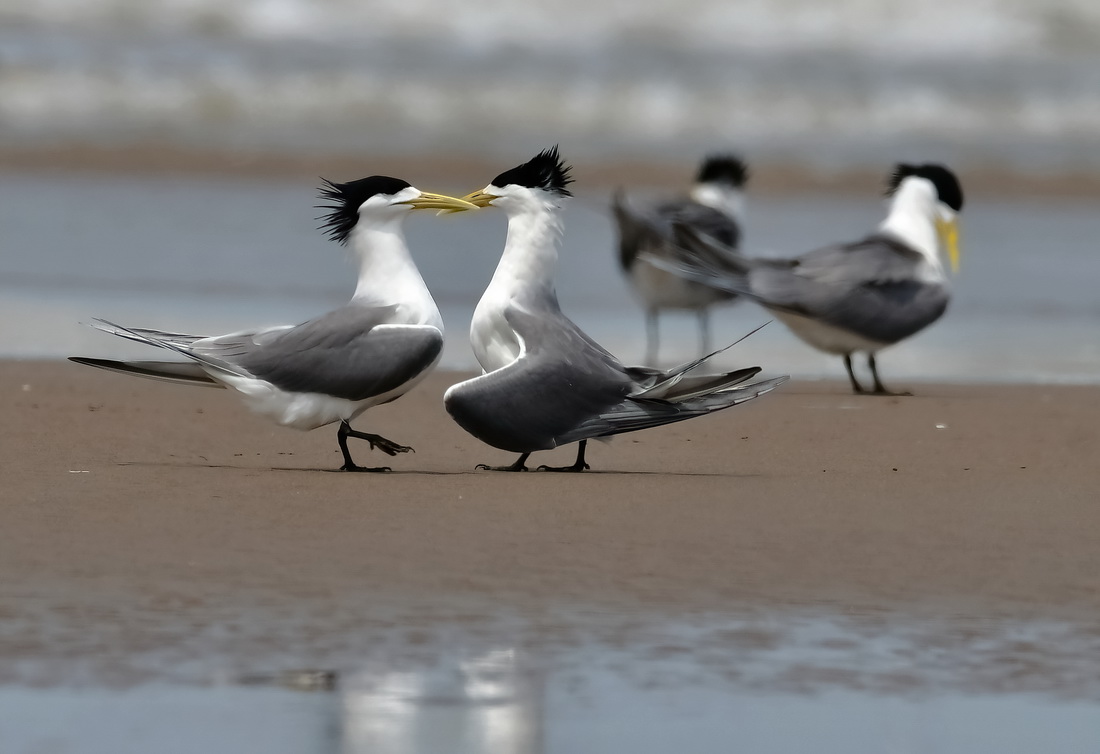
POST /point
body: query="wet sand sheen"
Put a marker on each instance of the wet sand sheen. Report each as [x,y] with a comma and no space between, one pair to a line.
[974,498]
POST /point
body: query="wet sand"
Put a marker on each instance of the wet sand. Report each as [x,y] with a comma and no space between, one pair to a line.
[962,498]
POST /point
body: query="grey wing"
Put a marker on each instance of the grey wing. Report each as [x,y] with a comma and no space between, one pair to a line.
[702,219]
[634,414]
[348,353]
[869,287]
[636,231]
[561,381]
[652,230]
[239,344]
[703,259]
[545,323]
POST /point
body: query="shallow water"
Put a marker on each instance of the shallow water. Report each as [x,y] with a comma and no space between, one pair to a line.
[207,256]
[478,678]
[612,717]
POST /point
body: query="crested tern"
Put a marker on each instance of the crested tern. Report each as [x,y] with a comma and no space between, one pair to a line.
[332,368]
[853,297]
[545,382]
[714,206]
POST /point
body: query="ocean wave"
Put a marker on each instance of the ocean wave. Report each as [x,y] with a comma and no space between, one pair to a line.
[1000,80]
[933,28]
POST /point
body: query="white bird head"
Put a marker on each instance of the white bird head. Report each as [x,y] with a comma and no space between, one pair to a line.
[944,187]
[720,184]
[539,182]
[727,169]
[377,199]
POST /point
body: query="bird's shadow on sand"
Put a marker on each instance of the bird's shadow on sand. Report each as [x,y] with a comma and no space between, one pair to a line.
[421,472]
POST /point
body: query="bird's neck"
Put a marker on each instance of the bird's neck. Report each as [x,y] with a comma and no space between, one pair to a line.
[527,266]
[912,220]
[389,277]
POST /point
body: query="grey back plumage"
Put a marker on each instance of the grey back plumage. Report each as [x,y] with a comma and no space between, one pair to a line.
[867,287]
[651,229]
[562,379]
[349,353]
[565,388]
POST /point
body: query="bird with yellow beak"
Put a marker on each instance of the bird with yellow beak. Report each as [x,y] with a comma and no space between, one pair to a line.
[853,297]
[332,368]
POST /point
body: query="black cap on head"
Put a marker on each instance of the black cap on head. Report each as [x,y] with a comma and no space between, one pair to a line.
[947,185]
[348,197]
[723,168]
[546,170]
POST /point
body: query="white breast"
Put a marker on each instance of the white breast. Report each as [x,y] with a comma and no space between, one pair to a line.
[494,343]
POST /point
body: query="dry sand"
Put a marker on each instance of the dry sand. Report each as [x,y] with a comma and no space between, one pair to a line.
[962,497]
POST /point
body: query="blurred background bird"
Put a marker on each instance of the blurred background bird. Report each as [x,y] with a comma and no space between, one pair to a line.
[714,208]
[857,297]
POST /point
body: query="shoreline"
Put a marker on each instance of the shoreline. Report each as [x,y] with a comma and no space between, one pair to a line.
[767,179]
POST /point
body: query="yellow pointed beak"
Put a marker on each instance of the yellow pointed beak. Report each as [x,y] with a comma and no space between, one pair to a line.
[949,235]
[477,198]
[440,201]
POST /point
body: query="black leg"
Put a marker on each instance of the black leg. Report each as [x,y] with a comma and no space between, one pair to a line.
[880,389]
[519,465]
[704,331]
[856,387]
[389,447]
[652,336]
[578,465]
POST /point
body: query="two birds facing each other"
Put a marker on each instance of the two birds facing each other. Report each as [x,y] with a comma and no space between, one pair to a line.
[841,299]
[545,382]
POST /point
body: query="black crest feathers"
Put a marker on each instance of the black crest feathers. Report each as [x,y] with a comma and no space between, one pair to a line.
[947,185]
[347,198]
[546,170]
[723,168]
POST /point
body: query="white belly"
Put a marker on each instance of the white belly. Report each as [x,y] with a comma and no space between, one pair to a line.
[826,337]
[660,289]
[307,411]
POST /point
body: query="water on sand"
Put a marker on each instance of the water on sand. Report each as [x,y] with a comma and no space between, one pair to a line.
[209,256]
[468,678]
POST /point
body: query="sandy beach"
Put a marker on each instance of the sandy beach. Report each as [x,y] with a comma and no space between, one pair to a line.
[811,571]
[975,496]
